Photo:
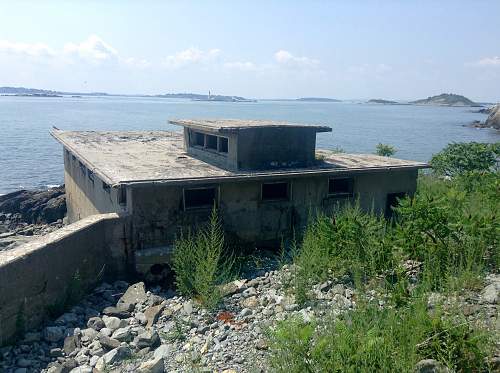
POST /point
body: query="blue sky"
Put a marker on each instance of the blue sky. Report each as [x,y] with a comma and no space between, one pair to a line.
[265,49]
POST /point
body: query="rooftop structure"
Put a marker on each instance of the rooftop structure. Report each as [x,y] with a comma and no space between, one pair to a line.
[160,157]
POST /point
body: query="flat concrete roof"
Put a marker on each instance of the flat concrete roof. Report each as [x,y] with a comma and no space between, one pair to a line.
[159,157]
[235,125]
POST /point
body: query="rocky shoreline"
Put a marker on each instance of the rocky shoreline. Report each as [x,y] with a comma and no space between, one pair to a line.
[128,328]
[26,215]
[493,120]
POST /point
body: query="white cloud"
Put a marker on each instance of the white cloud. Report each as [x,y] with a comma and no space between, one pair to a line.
[489,61]
[93,49]
[27,49]
[191,56]
[285,58]
[242,66]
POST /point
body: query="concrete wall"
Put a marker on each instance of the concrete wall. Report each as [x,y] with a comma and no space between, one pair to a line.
[158,214]
[36,277]
[267,148]
[86,194]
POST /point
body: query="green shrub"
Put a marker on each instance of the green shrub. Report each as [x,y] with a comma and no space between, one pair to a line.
[385,150]
[352,242]
[200,263]
[460,158]
[371,339]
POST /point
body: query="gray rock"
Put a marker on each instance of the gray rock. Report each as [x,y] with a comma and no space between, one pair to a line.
[490,293]
[95,323]
[112,357]
[249,292]
[430,366]
[156,365]
[108,343]
[71,343]
[113,323]
[187,308]
[24,363]
[139,316]
[152,314]
[117,312]
[245,312]
[53,334]
[135,294]
[106,332]
[122,334]
[163,351]
[147,339]
[82,369]
[32,337]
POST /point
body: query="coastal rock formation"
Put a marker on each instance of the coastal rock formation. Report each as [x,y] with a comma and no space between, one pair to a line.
[26,215]
[445,99]
[493,120]
[35,206]
[381,101]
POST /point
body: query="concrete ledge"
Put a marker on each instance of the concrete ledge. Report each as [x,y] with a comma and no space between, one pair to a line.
[38,277]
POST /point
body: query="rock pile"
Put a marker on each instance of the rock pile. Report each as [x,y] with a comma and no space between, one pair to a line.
[122,328]
[25,215]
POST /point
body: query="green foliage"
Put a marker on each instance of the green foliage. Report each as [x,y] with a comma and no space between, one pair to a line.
[200,265]
[371,339]
[385,150]
[353,243]
[460,158]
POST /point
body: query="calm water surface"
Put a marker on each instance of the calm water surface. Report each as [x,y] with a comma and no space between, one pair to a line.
[30,158]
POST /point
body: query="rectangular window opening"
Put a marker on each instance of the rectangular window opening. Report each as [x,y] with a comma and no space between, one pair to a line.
[199,197]
[392,202]
[211,142]
[106,187]
[223,145]
[275,191]
[340,186]
[122,196]
[198,139]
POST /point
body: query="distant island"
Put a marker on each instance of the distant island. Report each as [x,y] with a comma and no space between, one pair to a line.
[446,99]
[33,92]
[317,99]
[384,102]
[199,97]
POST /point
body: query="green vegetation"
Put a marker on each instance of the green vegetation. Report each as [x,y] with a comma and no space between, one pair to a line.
[199,264]
[372,339]
[450,227]
[461,158]
[385,150]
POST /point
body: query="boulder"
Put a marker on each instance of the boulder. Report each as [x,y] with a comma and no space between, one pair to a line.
[494,118]
[147,339]
[53,334]
[136,293]
[152,314]
[112,357]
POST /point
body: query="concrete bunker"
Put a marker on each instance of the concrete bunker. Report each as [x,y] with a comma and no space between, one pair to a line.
[265,178]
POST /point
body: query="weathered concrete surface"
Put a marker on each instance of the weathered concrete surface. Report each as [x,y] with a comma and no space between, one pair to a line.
[41,274]
[160,157]
[158,216]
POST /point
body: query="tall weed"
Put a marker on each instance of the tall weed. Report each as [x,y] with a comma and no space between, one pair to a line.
[201,263]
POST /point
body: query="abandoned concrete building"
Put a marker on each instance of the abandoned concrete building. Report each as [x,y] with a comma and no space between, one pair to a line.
[265,177]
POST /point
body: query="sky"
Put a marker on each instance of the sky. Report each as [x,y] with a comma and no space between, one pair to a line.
[350,49]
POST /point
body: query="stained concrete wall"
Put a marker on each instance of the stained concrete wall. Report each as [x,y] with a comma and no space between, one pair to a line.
[158,214]
[86,193]
[267,148]
[39,275]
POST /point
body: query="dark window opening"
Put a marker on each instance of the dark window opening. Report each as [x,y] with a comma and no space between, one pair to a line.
[90,174]
[392,202]
[122,196]
[106,187]
[343,187]
[274,191]
[223,145]
[198,139]
[211,142]
[83,169]
[200,197]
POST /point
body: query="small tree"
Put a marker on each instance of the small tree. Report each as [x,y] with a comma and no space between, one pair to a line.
[385,150]
[461,158]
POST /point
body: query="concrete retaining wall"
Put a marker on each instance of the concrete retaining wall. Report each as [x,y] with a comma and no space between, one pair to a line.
[38,277]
